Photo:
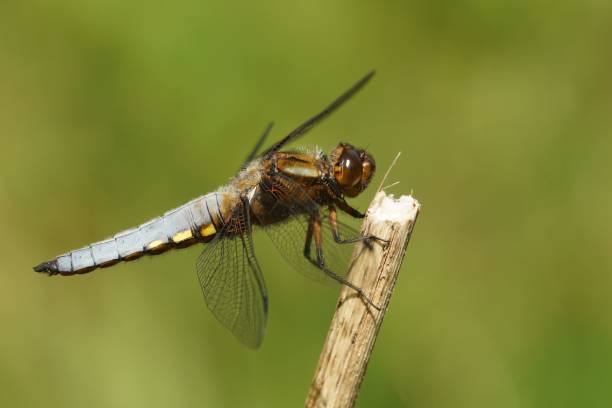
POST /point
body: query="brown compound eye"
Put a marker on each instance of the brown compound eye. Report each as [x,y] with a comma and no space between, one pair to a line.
[368,170]
[349,169]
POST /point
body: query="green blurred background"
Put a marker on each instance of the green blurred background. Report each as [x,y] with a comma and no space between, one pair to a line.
[112,112]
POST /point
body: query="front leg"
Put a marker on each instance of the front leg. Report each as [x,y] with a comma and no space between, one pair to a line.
[314,231]
[344,206]
[333,222]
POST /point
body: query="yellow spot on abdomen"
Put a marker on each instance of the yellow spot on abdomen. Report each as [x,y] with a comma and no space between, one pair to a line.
[155,245]
[207,230]
[182,236]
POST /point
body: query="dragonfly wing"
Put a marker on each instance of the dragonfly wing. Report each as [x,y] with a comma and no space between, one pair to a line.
[232,282]
[310,123]
[259,143]
[290,236]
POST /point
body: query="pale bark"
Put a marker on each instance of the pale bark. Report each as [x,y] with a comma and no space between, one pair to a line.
[355,325]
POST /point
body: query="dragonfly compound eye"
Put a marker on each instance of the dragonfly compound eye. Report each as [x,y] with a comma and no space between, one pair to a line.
[369,168]
[349,169]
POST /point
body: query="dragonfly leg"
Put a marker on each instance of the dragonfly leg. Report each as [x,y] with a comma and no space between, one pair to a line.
[308,242]
[314,230]
[333,222]
[353,212]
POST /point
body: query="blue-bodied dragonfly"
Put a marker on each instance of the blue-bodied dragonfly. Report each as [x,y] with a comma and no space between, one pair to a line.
[294,195]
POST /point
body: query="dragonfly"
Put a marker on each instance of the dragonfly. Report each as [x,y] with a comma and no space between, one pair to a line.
[295,195]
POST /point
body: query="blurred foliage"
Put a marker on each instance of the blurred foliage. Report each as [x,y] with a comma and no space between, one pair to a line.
[112,112]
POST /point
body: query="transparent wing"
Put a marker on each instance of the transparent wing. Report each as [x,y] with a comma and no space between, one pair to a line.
[310,123]
[290,236]
[259,143]
[232,282]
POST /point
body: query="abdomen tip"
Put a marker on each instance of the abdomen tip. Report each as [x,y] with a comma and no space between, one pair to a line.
[46,267]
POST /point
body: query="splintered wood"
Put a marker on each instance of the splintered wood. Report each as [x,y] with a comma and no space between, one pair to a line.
[355,325]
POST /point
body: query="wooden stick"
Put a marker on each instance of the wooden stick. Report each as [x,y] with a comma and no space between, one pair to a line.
[355,324]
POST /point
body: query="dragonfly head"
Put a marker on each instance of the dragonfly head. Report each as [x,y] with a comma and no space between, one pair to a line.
[353,168]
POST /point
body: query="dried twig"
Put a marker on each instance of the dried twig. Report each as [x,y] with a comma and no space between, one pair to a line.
[355,325]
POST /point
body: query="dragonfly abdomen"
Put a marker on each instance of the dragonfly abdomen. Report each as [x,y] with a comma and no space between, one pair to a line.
[197,221]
